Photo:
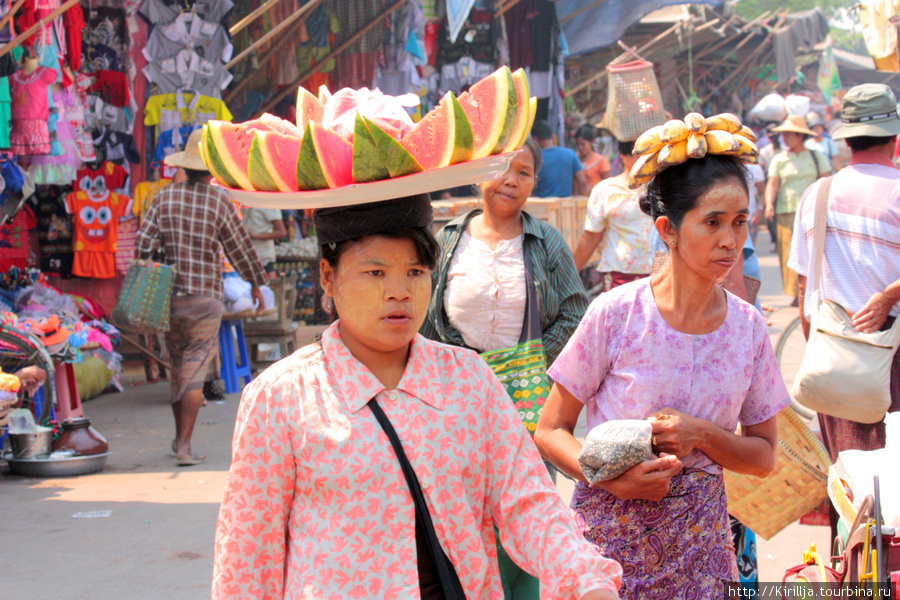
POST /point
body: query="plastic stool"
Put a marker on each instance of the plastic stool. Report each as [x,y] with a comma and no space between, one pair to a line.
[232,371]
[68,401]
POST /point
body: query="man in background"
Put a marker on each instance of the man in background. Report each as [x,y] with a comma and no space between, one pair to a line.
[561,174]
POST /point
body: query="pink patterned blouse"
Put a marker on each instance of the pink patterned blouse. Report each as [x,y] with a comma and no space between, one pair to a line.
[316,505]
[625,362]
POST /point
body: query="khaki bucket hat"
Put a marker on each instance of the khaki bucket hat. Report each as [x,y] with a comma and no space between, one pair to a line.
[868,109]
[795,123]
[190,158]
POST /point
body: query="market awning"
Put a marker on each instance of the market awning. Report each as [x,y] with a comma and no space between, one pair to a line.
[592,24]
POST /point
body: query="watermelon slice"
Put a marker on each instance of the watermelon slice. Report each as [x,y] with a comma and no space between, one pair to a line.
[532,110]
[273,162]
[227,148]
[490,106]
[324,94]
[443,136]
[308,108]
[396,158]
[325,161]
[523,113]
[368,164]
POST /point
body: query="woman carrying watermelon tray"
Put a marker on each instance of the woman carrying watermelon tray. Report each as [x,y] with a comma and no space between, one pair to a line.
[377,463]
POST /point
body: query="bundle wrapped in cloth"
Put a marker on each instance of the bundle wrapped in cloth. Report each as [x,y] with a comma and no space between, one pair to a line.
[613,447]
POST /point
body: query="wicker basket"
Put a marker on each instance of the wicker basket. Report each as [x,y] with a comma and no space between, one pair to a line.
[797,485]
[635,103]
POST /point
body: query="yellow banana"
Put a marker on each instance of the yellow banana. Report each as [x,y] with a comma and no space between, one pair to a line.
[721,142]
[649,141]
[644,169]
[745,147]
[696,145]
[724,122]
[674,131]
[695,122]
[748,133]
[674,154]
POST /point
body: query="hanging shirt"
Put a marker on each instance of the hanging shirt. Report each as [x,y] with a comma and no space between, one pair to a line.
[144,193]
[106,177]
[170,142]
[188,31]
[99,114]
[117,147]
[187,69]
[29,93]
[170,111]
[111,86]
[95,217]
[14,239]
[165,11]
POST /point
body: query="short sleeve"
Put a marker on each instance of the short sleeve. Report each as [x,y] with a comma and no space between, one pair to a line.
[222,112]
[272,214]
[767,394]
[153,110]
[584,363]
[70,203]
[775,166]
[798,261]
[152,48]
[48,76]
[595,217]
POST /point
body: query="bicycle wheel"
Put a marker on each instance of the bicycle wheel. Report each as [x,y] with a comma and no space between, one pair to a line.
[789,351]
[20,349]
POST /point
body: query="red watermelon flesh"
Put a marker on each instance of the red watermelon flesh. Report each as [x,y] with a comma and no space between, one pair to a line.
[490,106]
[523,107]
[326,159]
[443,136]
[268,122]
[308,108]
[272,166]
[228,150]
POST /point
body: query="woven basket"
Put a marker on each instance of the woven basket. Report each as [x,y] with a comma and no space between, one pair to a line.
[797,485]
[635,103]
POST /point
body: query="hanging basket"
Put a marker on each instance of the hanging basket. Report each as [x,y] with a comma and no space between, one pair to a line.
[635,103]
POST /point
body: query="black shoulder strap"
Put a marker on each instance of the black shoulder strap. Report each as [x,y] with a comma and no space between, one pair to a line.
[453,589]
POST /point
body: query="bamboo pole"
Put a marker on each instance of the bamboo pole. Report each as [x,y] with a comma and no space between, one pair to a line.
[34,28]
[275,31]
[736,72]
[263,8]
[506,7]
[292,87]
[245,81]
[12,11]
[584,8]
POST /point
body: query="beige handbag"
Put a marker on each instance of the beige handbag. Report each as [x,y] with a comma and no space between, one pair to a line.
[844,373]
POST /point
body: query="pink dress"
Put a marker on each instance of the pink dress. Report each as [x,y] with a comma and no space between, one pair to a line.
[316,506]
[625,362]
[30,111]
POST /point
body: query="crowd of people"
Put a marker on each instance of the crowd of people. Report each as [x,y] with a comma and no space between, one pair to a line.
[389,460]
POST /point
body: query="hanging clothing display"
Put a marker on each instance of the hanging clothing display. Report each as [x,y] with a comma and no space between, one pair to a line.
[95,215]
[170,111]
[30,111]
[106,177]
[14,247]
[60,169]
[170,142]
[144,193]
[208,39]
[165,11]
[188,70]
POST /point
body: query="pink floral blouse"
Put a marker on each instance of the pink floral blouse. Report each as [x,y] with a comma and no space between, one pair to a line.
[625,362]
[316,505]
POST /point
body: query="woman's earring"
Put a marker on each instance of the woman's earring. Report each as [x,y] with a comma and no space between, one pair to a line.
[671,243]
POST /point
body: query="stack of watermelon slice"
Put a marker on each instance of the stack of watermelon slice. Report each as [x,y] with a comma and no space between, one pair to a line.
[270,154]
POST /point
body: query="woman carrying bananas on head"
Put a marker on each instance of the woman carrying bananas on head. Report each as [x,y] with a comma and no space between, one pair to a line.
[676,344]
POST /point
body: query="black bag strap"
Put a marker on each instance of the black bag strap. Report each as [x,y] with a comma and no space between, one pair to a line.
[453,589]
[531,328]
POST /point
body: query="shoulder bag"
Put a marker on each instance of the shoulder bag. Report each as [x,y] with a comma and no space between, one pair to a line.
[452,588]
[522,369]
[844,373]
[145,300]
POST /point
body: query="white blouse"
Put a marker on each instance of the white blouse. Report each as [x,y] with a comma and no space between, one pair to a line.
[485,295]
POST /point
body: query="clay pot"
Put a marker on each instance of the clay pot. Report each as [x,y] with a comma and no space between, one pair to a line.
[78,436]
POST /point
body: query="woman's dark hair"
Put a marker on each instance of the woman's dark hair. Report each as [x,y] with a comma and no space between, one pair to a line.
[535,148]
[865,142]
[625,148]
[674,192]
[195,176]
[586,133]
[427,250]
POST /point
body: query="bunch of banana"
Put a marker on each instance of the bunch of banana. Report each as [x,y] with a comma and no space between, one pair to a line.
[676,141]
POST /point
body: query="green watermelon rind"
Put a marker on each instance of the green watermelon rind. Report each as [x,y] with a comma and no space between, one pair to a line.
[309,171]
[396,159]
[217,163]
[511,113]
[368,161]
[257,169]
[496,123]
